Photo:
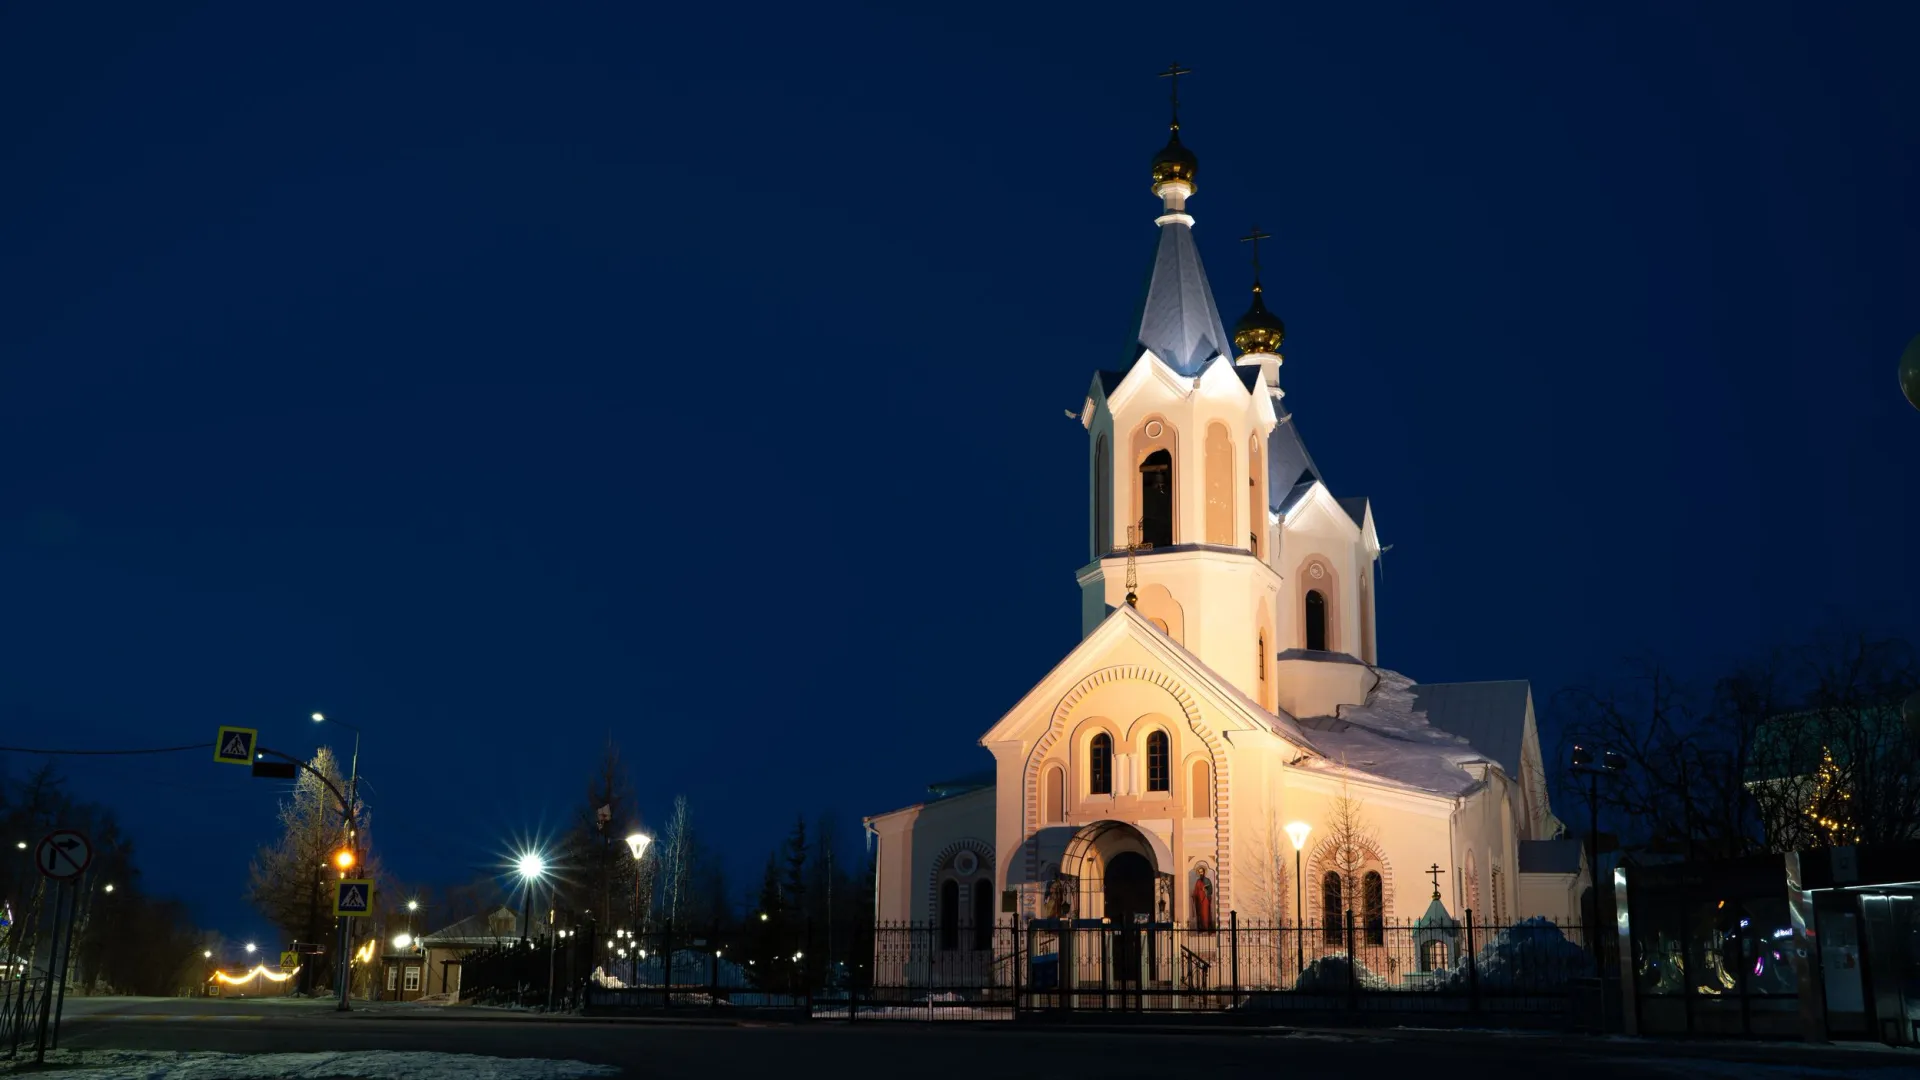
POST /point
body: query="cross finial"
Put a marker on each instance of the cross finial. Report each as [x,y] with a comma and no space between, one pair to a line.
[1434,872]
[1254,237]
[1174,71]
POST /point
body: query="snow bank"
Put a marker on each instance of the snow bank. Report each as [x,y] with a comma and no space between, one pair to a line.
[1328,975]
[1529,956]
[355,1064]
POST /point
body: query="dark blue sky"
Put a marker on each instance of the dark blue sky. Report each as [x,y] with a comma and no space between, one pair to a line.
[497,378]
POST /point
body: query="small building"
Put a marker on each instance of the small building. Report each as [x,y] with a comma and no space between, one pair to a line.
[430,964]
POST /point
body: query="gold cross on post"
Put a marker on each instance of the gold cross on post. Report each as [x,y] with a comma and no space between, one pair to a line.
[1434,872]
[1174,71]
[1134,543]
[1254,238]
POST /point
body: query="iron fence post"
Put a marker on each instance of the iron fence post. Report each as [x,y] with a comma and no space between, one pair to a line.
[1353,967]
[1233,950]
[1473,966]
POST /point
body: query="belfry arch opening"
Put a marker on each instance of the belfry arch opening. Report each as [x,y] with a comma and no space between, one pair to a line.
[1156,499]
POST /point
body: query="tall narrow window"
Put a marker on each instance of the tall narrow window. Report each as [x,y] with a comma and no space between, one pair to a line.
[949,914]
[1316,620]
[1260,663]
[1102,499]
[1499,900]
[1330,928]
[1373,908]
[1159,769]
[1256,498]
[1198,795]
[983,914]
[1100,765]
[1056,810]
[1156,499]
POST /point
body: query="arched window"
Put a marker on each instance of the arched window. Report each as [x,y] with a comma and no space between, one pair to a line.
[1198,795]
[1256,502]
[1100,765]
[949,914]
[1330,920]
[983,915]
[1159,769]
[1260,663]
[1316,620]
[1156,499]
[1373,908]
[1102,499]
[1056,809]
[1433,955]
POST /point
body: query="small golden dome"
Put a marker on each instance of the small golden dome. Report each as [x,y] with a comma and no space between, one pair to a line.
[1174,163]
[1259,330]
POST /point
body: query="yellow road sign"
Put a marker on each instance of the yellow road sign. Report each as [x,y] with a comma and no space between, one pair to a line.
[289,961]
[235,745]
[353,897]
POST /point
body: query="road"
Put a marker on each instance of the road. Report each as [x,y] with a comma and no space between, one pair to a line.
[964,1051]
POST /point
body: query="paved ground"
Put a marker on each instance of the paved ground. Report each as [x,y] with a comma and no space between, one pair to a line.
[960,1050]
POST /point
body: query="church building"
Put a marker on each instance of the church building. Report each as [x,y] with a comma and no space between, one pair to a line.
[1226,715]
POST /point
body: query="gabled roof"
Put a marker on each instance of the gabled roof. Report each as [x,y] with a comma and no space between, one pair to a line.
[1356,508]
[475,929]
[1125,620]
[1179,321]
[1490,715]
[1392,737]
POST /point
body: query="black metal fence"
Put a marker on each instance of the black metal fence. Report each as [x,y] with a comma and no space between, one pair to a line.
[1536,968]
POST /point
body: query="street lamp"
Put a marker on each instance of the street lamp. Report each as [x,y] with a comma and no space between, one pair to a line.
[1582,763]
[637,844]
[1297,832]
[352,823]
[109,886]
[401,941]
[250,946]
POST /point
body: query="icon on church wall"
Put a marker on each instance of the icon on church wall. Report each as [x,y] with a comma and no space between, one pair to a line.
[1059,902]
[1202,898]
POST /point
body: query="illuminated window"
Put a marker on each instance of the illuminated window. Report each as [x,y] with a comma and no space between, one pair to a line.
[393,973]
[949,914]
[1100,765]
[1316,620]
[1159,770]
[1330,908]
[413,978]
[1373,908]
[1156,499]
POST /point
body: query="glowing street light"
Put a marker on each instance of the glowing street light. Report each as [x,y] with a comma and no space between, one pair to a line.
[207,953]
[413,905]
[401,941]
[109,886]
[250,946]
[1297,832]
[637,843]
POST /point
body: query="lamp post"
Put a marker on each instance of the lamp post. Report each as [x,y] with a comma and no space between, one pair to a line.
[531,868]
[1297,832]
[637,844]
[1583,764]
[350,853]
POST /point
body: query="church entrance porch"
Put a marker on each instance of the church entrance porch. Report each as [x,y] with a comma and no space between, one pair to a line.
[1109,913]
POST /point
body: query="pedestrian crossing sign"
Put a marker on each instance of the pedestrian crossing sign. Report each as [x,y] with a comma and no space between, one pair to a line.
[235,745]
[289,961]
[353,897]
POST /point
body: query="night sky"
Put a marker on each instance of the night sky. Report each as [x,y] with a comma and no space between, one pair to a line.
[497,378]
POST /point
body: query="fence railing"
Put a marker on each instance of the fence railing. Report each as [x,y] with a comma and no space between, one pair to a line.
[934,972]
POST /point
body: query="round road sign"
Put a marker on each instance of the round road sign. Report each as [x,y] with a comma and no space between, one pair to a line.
[63,854]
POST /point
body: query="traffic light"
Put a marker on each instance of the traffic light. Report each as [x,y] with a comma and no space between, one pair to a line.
[343,859]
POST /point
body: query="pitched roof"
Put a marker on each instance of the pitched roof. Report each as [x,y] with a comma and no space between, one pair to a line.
[1550,856]
[1490,715]
[1289,466]
[1179,321]
[1356,508]
[475,928]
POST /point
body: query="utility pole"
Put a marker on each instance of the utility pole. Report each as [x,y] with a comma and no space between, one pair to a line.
[1583,764]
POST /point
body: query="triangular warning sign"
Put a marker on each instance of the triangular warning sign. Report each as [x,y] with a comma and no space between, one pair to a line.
[236,746]
[353,899]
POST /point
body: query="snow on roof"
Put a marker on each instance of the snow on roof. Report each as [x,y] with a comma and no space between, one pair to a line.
[1390,738]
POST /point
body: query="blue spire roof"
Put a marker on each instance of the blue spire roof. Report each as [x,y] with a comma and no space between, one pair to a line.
[1179,321]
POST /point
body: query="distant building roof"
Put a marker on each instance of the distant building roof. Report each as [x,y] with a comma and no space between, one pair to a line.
[500,924]
[947,789]
[1550,856]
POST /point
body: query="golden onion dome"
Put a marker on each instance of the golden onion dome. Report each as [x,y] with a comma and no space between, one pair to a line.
[1174,163]
[1259,330]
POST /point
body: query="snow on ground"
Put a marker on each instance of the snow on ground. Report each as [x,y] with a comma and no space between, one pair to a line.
[355,1064]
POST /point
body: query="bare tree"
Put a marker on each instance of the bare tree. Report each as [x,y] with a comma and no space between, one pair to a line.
[287,881]
[1351,835]
[676,864]
[1270,888]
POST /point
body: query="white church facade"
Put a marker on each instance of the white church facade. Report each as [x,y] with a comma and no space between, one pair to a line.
[1227,704]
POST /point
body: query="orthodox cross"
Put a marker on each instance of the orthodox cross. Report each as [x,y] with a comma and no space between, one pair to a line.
[1434,872]
[1174,71]
[1134,543]
[1254,238]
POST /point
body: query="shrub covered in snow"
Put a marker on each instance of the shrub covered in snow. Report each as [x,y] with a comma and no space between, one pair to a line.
[1530,955]
[1329,975]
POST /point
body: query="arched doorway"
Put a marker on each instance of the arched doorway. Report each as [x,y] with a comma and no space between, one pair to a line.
[1130,888]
